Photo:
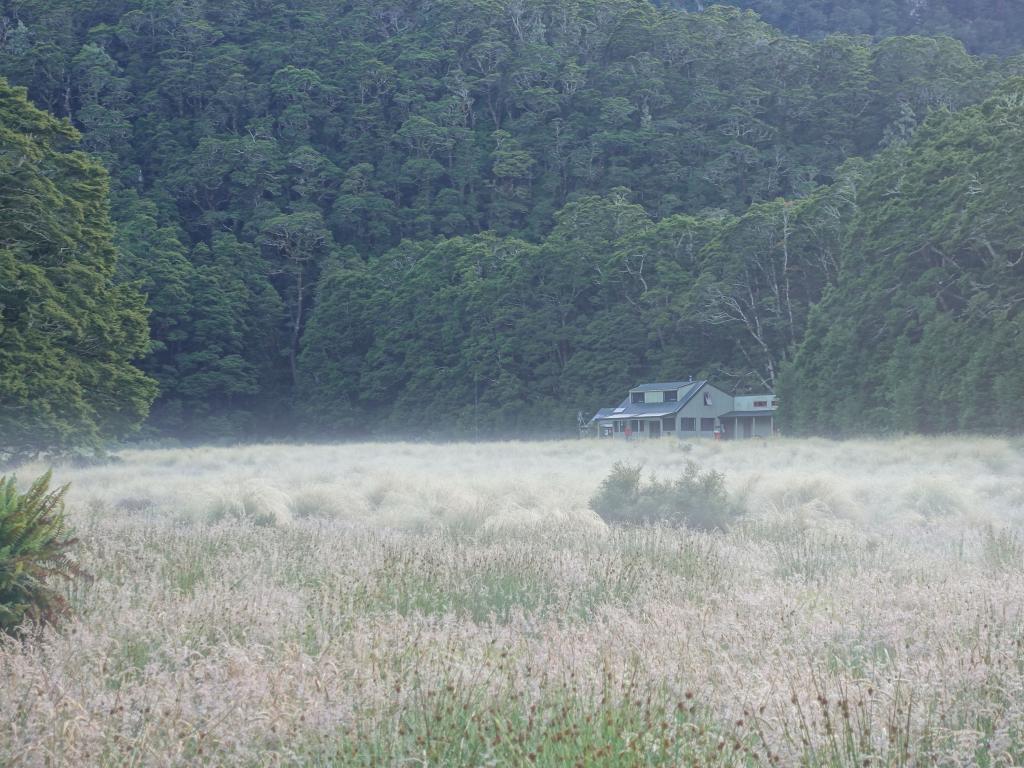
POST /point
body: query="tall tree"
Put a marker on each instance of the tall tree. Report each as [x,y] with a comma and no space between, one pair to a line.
[69,332]
[297,243]
[922,330]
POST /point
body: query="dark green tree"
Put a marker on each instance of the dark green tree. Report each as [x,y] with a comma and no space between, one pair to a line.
[69,332]
[921,331]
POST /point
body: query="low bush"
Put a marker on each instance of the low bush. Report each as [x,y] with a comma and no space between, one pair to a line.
[34,549]
[697,499]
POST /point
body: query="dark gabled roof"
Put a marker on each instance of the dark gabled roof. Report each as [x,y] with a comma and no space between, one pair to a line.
[743,414]
[659,386]
[629,410]
[696,387]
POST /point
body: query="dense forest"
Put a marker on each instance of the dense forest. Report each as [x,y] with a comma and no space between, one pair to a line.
[984,26]
[922,329]
[478,217]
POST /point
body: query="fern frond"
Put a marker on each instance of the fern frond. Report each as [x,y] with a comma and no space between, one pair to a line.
[34,548]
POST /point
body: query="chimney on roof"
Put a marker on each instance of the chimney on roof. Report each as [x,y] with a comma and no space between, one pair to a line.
[691,378]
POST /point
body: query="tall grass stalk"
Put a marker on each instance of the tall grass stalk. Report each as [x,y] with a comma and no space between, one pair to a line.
[463,605]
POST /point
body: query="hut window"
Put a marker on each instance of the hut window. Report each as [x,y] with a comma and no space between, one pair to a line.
[707,425]
[669,424]
[707,398]
[687,424]
[760,403]
[637,398]
[670,396]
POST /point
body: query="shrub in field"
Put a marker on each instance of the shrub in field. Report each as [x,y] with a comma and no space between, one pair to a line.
[696,499]
[34,544]
[618,496]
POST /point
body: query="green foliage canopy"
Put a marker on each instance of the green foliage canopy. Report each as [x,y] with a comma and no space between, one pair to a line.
[474,216]
[922,330]
[982,25]
[69,330]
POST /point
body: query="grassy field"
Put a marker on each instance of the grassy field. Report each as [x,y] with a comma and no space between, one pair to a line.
[423,605]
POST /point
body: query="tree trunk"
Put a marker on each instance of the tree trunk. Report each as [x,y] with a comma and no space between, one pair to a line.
[293,349]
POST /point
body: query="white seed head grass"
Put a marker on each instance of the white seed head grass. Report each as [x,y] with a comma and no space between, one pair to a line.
[260,603]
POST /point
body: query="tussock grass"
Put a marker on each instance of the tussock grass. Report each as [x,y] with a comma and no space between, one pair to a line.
[462,605]
[252,501]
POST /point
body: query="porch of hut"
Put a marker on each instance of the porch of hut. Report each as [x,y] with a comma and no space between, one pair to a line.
[740,425]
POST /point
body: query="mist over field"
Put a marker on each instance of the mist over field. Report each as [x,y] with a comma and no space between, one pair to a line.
[461,604]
